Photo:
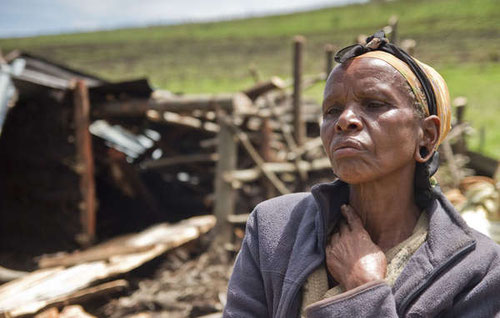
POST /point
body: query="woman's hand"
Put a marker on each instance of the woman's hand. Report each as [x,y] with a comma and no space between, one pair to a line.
[351,257]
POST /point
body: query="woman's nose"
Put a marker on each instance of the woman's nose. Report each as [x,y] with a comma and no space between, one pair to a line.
[348,121]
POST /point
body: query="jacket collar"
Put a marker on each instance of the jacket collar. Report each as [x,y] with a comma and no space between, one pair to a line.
[329,198]
[448,237]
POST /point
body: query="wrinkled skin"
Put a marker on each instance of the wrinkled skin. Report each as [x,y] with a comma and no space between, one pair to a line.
[367,103]
[352,257]
[373,136]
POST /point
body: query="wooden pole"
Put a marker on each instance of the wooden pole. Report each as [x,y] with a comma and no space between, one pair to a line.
[85,162]
[225,197]
[299,124]
[460,105]
[329,59]
[393,23]
[267,155]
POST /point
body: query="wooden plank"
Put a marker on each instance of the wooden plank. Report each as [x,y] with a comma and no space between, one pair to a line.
[83,296]
[170,235]
[85,162]
[37,290]
[9,274]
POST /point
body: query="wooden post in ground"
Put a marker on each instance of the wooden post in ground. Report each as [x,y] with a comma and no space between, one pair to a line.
[299,124]
[329,59]
[267,155]
[460,104]
[225,197]
[393,23]
[85,162]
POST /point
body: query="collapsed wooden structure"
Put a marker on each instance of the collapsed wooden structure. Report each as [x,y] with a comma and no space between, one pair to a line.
[83,159]
[93,154]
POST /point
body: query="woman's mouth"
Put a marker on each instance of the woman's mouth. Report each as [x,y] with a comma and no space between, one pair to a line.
[347,148]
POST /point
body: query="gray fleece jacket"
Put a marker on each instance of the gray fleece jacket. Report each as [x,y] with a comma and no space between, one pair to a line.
[455,273]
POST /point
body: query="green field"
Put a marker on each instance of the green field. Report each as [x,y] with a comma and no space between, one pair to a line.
[458,37]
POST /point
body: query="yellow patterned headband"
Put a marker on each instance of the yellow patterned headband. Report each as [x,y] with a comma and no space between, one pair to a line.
[443,107]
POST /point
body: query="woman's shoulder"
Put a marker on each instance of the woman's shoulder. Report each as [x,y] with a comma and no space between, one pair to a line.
[282,216]
[486,249]
[283,207]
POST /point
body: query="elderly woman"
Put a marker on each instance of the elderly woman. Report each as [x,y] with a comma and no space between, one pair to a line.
[382,240]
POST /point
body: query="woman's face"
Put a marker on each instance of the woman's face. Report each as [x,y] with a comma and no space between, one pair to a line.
[369,129]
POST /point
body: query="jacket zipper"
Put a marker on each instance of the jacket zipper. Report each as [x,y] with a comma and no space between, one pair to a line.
[304,278]
[455,257]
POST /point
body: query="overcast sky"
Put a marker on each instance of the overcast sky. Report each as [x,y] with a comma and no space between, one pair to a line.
[35,17]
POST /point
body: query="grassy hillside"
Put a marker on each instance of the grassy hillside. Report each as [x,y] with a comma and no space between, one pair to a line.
[458,37]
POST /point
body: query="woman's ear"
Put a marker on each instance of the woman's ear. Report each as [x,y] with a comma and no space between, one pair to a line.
[428,139]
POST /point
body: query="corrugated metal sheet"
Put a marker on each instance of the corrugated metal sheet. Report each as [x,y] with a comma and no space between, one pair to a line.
[7,89]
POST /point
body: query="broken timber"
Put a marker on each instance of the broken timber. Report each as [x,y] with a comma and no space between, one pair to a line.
[225,197]
[85,165]
[177,160]
[264,87]
[249,175]
[40,289]
[237,102]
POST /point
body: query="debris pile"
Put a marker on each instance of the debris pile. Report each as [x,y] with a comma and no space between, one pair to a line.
[67,278]
[83,161]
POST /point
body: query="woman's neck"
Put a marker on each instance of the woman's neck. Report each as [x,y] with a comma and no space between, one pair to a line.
[387,207]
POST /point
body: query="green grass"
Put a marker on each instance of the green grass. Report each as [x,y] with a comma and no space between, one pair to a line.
[480,84]
[458,37]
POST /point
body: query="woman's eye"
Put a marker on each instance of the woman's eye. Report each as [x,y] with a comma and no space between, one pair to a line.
[374,104]
[333,110]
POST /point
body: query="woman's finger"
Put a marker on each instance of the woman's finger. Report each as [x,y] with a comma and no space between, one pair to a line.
[344,227]
[352,218]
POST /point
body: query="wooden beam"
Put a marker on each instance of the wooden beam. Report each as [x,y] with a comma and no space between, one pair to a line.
[393,24]
[267,154]
[482,164]
[93,292]
[182,120]
[225,197]
[176,160]
[85,162]
[160,237]
[460,104]
[271,176]
[239,219]
[263,87]
[299,125]
[329,49]
[234,102]
[7,275]
[249,175]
